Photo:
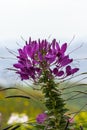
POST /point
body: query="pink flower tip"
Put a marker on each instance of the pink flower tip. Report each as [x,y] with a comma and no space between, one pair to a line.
[41,118]
[71,120]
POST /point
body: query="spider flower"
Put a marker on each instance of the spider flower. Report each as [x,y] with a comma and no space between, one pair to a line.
[37,57]
[41,118]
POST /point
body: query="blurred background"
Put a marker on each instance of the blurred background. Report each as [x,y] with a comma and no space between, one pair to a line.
[65,20]
[48,19]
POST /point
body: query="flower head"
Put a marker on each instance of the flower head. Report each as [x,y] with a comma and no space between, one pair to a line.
[71,120]
[41,118]
[37,57]
[17,118]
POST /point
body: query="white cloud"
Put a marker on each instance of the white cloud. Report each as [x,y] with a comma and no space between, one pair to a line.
[40,18]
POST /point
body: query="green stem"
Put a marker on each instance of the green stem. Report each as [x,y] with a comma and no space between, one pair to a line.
[55,105]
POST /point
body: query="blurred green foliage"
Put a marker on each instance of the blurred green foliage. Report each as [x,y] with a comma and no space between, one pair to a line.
[31,107]
[81,119]
[35,105]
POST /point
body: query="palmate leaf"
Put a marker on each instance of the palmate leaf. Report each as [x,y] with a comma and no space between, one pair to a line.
[8,127]
[12,127]
[3,89]
[26,94]
[16,126]
[12,88]
[21,90]
[18,96]
[15,96]
[75,85]
[74,76]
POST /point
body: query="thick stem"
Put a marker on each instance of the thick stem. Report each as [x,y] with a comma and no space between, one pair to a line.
[55,105]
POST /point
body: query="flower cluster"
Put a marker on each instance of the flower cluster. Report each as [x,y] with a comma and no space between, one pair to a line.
[41,118]
[42,61]
[17,118]
[38,56]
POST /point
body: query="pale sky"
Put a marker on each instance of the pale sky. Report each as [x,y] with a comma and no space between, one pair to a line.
[41,18]
[62,19]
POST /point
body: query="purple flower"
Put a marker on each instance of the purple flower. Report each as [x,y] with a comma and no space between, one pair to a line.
[70,71]
[57,72]
[41,118]
[36,57]
[65,61]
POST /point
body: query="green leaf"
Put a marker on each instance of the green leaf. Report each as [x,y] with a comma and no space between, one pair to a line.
[12,127]
[18,96]
[8,127]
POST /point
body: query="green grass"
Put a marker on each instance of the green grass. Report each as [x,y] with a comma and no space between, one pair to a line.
[33,106]
[30,107]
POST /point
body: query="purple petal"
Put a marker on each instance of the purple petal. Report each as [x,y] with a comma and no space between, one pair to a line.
[29,40]
[50,57]
[74,70]
[28,50]
[38,70]
[60,73]
[65,61]
[41,118]
[57,46]
[55,71]
[45,44]
[68,70]
[53,44]
[18,65]
[63,47]
[40,56]
[23,76]
[22,54]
